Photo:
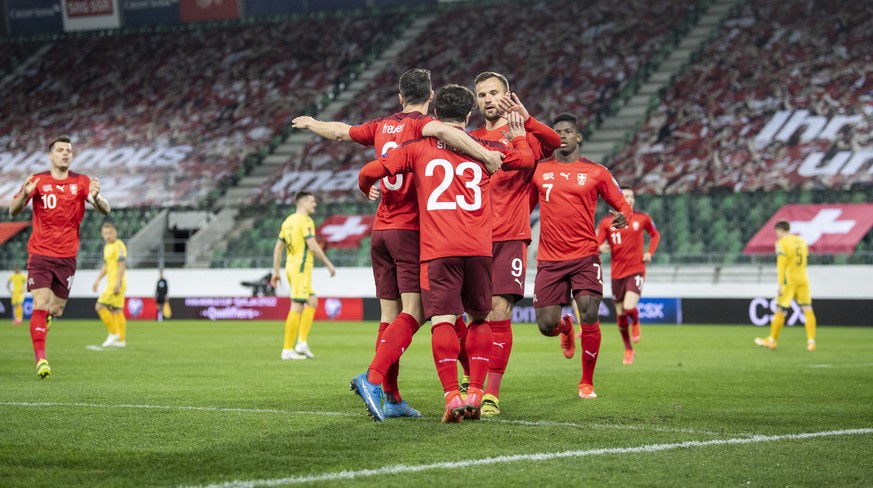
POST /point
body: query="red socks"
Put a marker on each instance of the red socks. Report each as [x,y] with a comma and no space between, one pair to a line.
[395,339]
[502,346]
[38,332]
[625,332]
[590,350]
[480,342]
[444,342]
[633,316]
[461,332]
[382,327]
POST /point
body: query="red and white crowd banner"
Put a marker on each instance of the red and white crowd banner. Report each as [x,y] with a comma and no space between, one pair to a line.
[827,229]
[346,231]
[206,10]
[82,15]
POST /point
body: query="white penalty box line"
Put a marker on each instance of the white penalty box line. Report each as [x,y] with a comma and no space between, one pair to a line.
[546,456]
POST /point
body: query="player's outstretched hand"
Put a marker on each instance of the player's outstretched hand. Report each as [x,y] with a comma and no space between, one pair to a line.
[96,284]
[30,185]
[274,280]
[510,103]
[619,221]
[331,270]
[94,187]
[374,193]
[515,123]
[301,122]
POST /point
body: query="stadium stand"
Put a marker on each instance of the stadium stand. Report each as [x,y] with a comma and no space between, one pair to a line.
[559,56]
[178,108]
[718,128]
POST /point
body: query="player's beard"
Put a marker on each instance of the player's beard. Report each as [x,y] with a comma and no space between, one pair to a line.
[491,114]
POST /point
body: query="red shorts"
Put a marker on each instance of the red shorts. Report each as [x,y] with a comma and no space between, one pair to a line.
[620,286]
[51,272]
[556,280]
[509,265]
[396,269]
[450,286]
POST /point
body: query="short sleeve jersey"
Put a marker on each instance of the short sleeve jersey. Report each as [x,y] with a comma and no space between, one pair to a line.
[58,208]
[398,207]
[453,193]
[567,194]
[114,253]
[17,280]
[510,190]
[626,245]
[794,252]
[294,231]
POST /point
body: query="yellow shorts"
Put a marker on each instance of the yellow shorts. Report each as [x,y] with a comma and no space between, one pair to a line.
[301,285]
[17,299]
[112,300]
[800,293]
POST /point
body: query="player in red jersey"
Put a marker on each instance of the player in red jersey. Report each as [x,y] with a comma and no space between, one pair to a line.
[568,263]
[510,214]
[59,197]
[394,243]
[453,193]
[628,267]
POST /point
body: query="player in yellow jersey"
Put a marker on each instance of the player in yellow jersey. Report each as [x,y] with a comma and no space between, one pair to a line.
[15,285]
[110,305]
[297,239]
[791,256]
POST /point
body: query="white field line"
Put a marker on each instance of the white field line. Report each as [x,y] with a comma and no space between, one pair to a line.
[844,365]
[532,423]
[545,456]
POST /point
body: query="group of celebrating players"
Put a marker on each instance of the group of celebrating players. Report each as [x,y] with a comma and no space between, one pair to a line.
[452,230]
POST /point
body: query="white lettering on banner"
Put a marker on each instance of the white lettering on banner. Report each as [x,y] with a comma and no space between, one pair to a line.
[293,182]
[77,8]
[649,310]
[824,222]
[761,312]
[147,4]
[33,13]
[230,313]
[785,124]
[98,158]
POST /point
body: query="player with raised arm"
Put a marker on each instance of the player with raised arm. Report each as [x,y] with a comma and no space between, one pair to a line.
[59,197]
[15,284]
[628,268]
[792,254]
[110,304]
[452,191]
[394,243]
[297,239]
[567,187]
[510,213]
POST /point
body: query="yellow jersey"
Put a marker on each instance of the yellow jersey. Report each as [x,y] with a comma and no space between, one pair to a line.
[113,254]
[294,232]
[791,256]
[18,280]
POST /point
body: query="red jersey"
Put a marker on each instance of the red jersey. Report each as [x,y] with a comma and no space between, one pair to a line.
[510,190]
[398,207]
[567,193]
[626,244]
[58,208]
[452,190]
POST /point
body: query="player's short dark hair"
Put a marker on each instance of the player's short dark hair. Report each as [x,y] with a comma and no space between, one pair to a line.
[782,225]
[59,139]
[301,195]
[566,117]
[454,102]
[626,187]
[107,225]
[415,86]
[492,74]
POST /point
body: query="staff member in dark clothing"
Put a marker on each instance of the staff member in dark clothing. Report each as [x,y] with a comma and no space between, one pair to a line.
[161,296]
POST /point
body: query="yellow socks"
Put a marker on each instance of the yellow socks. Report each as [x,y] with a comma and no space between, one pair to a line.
[19,313]
[810,325]
[292,325]
[106,317]
[306,319]
[776,325]
[120,325]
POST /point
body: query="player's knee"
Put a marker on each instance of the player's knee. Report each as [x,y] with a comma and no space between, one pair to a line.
[501,308]
[546,325]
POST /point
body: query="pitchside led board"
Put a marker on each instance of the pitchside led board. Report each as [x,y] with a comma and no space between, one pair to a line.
[83,15]
[27,17]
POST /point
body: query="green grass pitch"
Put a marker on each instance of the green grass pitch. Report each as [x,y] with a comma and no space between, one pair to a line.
[200,403]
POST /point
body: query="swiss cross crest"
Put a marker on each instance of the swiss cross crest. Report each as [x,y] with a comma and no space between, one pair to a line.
[636,225]
[548,176]
[74,188]
[46,188]
[581,178]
